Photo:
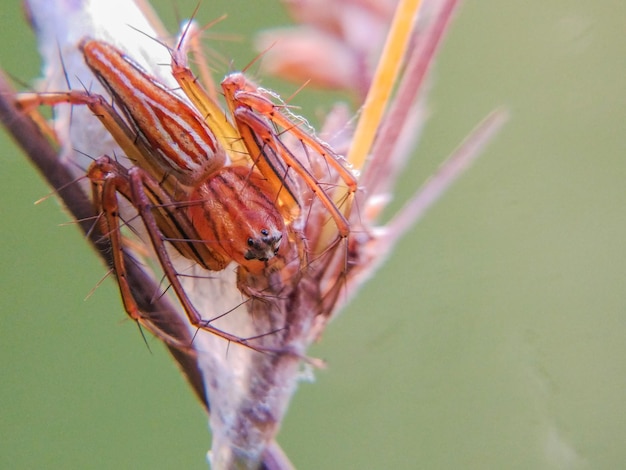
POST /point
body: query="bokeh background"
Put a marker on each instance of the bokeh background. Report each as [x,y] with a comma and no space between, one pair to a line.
[494,337]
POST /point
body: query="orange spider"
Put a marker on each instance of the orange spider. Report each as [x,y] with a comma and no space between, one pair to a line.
[181,182]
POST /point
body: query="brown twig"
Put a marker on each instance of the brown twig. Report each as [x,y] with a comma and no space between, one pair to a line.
[41,153]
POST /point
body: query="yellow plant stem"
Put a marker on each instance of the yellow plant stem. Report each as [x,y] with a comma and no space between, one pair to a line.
[384,80]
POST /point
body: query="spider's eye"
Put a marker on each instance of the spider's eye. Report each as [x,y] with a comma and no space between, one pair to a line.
[250,241]
[265,232]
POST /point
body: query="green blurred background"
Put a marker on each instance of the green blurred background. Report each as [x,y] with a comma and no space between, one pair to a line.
[494,337]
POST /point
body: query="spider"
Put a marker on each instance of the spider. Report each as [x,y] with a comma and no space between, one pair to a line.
[219,189]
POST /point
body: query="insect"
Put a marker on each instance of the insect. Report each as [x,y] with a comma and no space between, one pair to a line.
[219,190]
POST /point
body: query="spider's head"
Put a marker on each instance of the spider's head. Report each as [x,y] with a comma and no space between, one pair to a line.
[264,245]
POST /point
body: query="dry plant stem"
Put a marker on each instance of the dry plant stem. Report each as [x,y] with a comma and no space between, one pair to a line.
[386,237]
[469,150]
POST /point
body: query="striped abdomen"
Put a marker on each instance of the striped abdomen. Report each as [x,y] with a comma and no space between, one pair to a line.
[179,137]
